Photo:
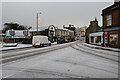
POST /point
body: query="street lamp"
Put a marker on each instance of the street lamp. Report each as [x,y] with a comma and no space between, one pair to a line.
[38,21]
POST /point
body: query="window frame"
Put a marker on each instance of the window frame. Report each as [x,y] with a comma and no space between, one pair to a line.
[109,20]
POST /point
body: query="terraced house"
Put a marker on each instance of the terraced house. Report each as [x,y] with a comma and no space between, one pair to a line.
[111,25]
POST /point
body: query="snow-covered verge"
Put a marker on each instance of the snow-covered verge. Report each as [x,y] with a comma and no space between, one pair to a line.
[10,44]
[18,46]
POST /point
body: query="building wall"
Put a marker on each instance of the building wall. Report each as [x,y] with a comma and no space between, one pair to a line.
[61,32]
[112,31]
[115,18]
[64,33]
[71,28]
[93,27]
[113,10]
[78,31]
[82,31]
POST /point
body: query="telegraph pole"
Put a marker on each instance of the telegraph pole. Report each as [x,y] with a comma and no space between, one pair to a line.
[37,21]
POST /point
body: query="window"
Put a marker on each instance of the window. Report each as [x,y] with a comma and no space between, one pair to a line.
[98,39]
[114,39]
[92,39]
[109,20]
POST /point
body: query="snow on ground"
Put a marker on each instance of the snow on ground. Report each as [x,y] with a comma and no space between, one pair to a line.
[100,50]
[107,48]
[18,46]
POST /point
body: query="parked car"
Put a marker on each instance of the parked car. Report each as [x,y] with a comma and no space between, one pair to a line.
[60,40]
[70,40]
[39,41]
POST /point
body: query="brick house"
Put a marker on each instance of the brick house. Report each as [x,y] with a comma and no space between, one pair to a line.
[93,27]
[70,27]
[111,25]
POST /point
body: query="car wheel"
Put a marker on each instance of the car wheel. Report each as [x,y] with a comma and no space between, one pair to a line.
[49,44]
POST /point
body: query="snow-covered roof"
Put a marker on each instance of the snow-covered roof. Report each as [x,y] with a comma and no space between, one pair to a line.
[65,29]
[17,33]
[1,34]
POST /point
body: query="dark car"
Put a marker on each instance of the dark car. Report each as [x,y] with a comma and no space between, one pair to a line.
[60,40]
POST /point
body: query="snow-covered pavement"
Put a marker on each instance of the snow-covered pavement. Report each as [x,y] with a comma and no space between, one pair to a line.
[103,48]
[97,52]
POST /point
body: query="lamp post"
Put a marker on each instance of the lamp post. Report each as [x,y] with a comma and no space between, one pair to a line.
[37,21]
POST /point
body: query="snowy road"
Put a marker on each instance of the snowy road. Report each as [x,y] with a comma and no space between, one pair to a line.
[18,51]
[75,61]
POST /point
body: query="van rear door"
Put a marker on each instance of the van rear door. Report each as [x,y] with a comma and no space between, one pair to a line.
[36,41]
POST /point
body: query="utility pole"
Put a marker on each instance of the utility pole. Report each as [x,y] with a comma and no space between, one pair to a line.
[38,21]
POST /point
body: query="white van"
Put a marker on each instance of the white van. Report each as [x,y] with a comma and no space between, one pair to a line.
[39,41]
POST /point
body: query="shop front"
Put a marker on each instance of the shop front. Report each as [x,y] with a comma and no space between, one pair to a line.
[112,39]
[18,36]
[96,38]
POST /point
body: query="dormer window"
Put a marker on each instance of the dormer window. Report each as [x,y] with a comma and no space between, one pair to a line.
[109,20]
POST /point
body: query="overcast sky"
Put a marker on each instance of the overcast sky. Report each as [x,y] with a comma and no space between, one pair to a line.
[57,13]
